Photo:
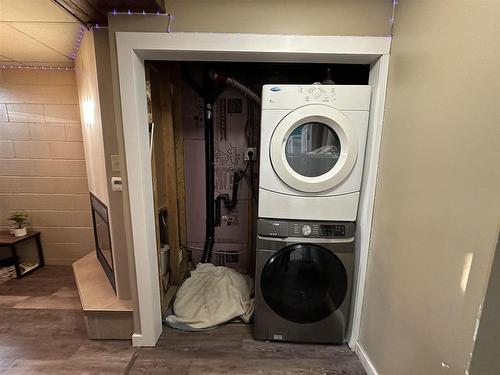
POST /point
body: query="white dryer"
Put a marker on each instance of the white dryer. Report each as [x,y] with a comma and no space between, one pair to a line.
[313,140]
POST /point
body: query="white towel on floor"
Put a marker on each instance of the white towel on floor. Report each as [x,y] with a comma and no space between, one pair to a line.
[212,296]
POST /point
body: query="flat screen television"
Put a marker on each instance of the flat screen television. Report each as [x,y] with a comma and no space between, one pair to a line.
[102,237]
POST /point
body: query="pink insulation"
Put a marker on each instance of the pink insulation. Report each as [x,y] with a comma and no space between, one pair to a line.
[230,141]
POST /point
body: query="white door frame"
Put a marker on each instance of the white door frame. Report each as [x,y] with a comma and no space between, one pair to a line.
[134,48]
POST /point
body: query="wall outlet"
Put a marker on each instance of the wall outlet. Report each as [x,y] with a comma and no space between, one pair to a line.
[116,184]
[250,151]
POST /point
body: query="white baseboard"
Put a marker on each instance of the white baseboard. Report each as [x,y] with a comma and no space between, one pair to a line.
[365,361]
[137,340]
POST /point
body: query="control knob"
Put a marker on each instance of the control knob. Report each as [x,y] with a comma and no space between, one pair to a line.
[306,230]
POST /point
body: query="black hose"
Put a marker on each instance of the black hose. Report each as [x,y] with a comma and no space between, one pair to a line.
[209,183]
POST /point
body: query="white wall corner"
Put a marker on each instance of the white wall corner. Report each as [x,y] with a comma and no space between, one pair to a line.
[365,360]
[137,340]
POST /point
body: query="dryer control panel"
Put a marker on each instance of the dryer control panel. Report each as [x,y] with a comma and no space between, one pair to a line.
[342,97]
[306,229]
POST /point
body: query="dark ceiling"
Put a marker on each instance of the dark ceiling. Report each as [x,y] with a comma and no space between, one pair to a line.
[255,73]
[89,12]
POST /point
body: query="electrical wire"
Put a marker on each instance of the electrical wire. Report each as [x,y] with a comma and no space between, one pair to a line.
[393,17]
[249,134]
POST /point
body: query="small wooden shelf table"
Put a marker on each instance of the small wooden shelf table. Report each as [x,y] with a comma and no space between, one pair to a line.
[10,241]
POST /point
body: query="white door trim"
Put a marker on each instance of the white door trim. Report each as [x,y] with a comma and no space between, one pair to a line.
[378,81]
[133,48]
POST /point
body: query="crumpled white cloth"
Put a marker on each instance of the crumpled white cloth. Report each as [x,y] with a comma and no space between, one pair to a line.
[212,295]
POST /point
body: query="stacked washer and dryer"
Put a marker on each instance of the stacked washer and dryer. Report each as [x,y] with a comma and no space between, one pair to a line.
[313,140]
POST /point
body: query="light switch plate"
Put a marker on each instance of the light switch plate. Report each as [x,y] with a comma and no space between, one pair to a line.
[115,163]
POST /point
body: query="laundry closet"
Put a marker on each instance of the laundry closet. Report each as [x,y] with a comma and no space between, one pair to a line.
[179,95]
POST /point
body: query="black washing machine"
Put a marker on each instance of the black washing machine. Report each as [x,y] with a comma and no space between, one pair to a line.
[304,275]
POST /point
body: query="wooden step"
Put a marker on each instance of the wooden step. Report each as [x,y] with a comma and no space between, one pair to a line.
[106,316]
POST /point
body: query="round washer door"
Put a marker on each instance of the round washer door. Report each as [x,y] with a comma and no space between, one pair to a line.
[313,148]
[304,283]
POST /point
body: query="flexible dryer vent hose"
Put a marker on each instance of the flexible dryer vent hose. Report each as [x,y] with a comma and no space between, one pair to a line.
[226,81]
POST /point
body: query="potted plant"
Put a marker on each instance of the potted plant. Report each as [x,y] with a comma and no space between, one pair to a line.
[21,221]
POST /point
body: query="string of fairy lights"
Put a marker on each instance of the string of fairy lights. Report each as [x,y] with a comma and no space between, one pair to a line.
[393,17]
[79,38]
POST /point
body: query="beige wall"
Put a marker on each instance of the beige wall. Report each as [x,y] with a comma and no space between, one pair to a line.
[437,200]
[88,91]
[42,167]
[93,71]
[485,360]
[317,17]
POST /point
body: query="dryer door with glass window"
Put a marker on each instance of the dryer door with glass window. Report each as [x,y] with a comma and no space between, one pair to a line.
[304,283]
[313,148]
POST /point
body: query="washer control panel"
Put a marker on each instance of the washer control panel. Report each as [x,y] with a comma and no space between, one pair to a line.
[312,229]
[305,230]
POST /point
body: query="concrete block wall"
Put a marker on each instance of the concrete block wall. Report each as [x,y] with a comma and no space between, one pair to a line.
[42,162]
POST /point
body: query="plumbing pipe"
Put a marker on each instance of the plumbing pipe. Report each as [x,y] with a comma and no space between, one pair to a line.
[229,203]
[210,92]
[209,183]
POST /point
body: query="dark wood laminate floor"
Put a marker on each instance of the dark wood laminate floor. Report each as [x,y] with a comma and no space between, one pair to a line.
[42,331]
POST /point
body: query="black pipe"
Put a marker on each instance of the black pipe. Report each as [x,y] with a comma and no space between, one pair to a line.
[220,197]
[229,203]
[210,182]
[209,92]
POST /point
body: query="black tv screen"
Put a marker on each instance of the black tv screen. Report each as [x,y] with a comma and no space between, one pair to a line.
[102,237]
